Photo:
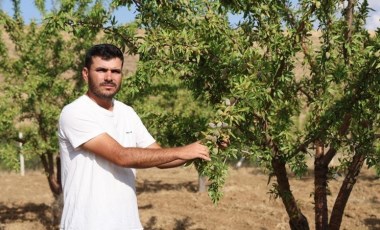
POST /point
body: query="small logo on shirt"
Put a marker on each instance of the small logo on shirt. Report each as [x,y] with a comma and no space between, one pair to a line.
[128,132]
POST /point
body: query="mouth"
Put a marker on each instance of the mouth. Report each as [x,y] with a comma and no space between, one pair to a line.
[108,85]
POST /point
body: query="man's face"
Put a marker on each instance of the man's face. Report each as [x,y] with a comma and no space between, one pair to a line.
[104,77]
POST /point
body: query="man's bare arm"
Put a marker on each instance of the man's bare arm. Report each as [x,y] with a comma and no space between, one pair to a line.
[171,164]
[105,146]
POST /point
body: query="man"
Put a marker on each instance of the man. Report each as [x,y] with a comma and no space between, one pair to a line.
[101,142]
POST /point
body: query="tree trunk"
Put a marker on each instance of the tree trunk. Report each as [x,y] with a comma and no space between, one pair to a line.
[297,220]
[320,188]
[54,179]
[345,191]
[320,194]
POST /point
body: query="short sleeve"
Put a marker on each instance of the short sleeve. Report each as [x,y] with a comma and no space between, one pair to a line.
[78,128]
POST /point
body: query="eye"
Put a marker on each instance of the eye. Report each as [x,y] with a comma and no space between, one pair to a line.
[116,71]
[102,70]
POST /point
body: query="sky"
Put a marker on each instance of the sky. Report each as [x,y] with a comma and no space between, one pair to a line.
[123,15]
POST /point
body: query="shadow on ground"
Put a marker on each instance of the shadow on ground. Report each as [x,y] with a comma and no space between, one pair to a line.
[26,212]
[181,224]
[373,223]
[157,185]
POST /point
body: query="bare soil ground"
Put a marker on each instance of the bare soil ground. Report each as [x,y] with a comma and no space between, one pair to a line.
[168,199]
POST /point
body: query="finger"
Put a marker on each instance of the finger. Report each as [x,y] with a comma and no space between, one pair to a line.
[206,158]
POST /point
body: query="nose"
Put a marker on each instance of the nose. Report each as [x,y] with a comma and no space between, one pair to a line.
[108,75]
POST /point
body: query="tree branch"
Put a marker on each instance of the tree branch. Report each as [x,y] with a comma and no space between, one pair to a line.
[349,12]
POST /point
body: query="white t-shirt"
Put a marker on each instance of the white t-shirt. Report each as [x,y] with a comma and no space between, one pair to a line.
[98,195]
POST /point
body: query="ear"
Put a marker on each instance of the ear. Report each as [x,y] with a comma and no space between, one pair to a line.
[85,73]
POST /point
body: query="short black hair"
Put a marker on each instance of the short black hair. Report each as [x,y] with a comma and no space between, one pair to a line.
[104,51]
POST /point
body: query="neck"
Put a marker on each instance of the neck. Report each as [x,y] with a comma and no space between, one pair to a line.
[102,102]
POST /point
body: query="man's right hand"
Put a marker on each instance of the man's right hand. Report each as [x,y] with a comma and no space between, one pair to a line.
[194,151]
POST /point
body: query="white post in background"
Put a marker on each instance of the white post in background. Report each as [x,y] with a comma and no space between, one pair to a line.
[22,164]
[202,187]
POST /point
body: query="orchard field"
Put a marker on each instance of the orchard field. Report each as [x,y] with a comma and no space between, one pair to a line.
[168,199]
